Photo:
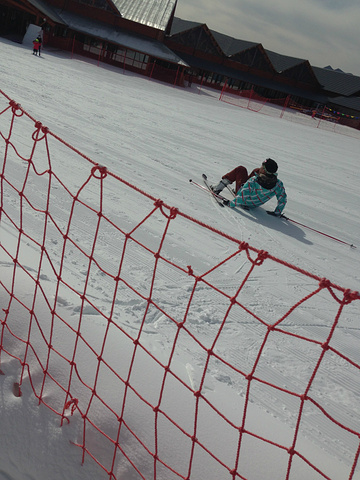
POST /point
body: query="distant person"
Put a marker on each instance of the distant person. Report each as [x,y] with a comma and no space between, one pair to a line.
[36,47]
[39,38]
[255,189]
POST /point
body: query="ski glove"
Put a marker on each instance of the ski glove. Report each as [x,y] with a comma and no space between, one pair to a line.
[226,202]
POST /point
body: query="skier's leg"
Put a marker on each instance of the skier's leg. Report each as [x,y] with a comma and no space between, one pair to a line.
[219,187]
[239,175]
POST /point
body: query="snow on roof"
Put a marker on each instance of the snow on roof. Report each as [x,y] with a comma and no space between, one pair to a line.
[154,13]
[107,32]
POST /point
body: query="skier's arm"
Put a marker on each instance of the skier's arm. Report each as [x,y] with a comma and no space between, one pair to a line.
[281,198]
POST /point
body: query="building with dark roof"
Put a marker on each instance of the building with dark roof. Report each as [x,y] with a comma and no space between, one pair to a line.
[271,74]
[145,36]
[126,33]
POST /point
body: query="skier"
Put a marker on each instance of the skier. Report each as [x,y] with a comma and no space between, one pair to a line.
[255,189]
[36,47]
[39,39]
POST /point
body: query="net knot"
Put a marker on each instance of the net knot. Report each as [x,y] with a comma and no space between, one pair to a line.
[324,283]
[291,451]
[39,127]
[173,212]
[73,403]
[243,246]
[158,203]
[350,296]
[15,107]
[262,255]
[99,172]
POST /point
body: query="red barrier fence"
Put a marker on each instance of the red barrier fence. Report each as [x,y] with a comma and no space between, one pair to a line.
[288,108]
[99,311]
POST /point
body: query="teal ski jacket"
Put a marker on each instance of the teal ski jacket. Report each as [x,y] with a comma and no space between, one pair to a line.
[252,194]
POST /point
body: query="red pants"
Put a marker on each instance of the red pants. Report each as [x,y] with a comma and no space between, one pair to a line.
[239,175]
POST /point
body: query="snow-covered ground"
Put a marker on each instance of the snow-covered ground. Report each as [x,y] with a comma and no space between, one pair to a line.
[157,137]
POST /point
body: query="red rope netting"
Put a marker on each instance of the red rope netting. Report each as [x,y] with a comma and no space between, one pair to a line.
[109,310]
[288,108]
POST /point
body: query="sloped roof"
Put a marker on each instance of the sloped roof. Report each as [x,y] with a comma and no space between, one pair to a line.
[153,13]
[47,10]
[251,78]
[330,80]
[196,36]
[180,25]
[127,39]
[227,44]
[230,45]
[337,82]
[352,103]
[283,62]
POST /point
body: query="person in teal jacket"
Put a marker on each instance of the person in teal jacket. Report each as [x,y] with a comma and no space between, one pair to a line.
[255,189]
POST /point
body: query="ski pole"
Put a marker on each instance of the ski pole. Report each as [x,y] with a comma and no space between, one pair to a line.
[318,231]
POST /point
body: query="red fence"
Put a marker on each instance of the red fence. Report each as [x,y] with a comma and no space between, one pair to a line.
[99,312]
[287,107]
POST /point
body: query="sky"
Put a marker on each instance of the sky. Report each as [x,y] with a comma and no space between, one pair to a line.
[325,32]
[58,287]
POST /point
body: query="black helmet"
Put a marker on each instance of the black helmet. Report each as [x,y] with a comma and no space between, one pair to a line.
[270,165]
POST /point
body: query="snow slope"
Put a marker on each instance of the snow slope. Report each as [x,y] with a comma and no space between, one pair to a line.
[157,137]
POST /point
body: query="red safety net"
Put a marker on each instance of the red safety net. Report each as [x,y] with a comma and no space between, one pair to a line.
[87,291]
[288,108]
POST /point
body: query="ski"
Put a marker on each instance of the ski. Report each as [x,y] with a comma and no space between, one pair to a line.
[227,186]
[218,198]
[244,207]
